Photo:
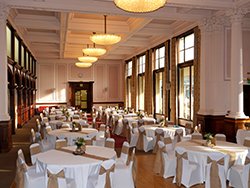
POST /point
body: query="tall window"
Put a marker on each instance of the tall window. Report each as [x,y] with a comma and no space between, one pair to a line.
[8,40]
[186,76]
[16,49]
[141,81]
[158,79]
[128,82]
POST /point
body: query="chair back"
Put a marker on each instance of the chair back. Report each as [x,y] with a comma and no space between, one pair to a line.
[33,135]
[246,142]
[102,127]
[34,149]
[124,151]
[105,174]
[110,143]
[220,137]
[196,136]
[61,143]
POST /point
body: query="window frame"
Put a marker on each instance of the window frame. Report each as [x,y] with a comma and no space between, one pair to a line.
[185,64]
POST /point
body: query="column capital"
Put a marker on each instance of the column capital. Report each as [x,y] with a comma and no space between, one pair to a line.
[236,14]
[212,24]
[4,11]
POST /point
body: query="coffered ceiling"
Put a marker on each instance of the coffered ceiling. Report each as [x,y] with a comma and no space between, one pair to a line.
[58,29]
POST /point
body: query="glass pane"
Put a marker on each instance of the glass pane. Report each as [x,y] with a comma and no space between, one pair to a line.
[77,98]
[156,64]
[189,41]
[181,44]
[8,40]
[27,60]
[128,92]
[158,93]
[162,52]
[16,49]
[22,55]
[141,88]
[157,54]
[83,105]
[192,92]
[83,95]
[162,62]
[184,93]
[181,57]
[189,54]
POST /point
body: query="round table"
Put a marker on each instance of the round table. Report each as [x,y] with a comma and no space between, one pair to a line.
[168,131]
[71,136]
[78,167]
[198,152]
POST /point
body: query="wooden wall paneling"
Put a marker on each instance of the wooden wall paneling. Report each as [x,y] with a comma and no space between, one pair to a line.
[80,74]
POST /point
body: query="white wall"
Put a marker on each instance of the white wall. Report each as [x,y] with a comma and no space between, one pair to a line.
[54,75]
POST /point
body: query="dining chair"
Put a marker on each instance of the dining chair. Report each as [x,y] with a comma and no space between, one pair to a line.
[110,143]
[215,172]
[159,134]
[239,175]
[134,135]
[60,143]
[26,176]
[165,160]
[147,141]
[124,153]
[187,172]
[100,137]
[65,125]
[125,173]
[58,180]
[34,149]
[189,128]
[196,136]
[32,136]
[220,137]
[105,178]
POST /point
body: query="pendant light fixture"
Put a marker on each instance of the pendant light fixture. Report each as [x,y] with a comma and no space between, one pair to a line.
[140,6]
[96,52]
[87,59]
[83,65]
[105,38]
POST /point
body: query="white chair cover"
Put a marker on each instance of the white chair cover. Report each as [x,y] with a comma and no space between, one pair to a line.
[34,150]
[220,137]
[134,135]
[148,142]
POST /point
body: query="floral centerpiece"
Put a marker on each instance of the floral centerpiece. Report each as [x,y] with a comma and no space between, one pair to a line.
[210,139]
[140,114]
[80,145]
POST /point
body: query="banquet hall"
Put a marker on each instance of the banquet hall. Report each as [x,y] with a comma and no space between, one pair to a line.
[124,93]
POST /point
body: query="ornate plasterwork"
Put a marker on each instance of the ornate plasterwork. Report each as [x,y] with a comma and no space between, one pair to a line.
[237,14]
[214,23]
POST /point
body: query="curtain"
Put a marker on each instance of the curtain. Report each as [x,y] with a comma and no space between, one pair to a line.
[134,83]
[166,78]
[197,51]
[173,103]
[148,97]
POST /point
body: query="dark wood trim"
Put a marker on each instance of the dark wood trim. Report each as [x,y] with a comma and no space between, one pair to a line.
[52,103]
[232,125]
[5,136]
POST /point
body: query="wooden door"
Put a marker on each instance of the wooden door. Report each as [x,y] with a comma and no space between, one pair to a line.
[81,95]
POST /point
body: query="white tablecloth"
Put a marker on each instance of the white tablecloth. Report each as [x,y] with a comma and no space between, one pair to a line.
[81,169]
[198,153]
[71,136]
[168,131]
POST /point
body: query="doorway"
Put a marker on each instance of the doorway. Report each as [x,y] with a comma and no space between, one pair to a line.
[81,95]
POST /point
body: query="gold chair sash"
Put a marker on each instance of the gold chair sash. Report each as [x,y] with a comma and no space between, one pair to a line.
[167,140]
[139,144]
[19,179]
[130,156]
[179,158]
[61,144]
[35,150]
[159,161]
[89,142]
[246,143]
[53,179]
[196,137]
[214,172]
[178,135]
[247,161]
[110,144]
[107,171]
[158,138]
